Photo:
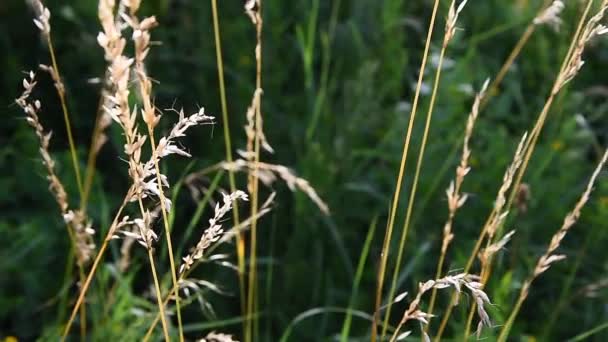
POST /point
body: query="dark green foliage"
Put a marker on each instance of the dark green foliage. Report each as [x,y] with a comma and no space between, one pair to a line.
[338,82]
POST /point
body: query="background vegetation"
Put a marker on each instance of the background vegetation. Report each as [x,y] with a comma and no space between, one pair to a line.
[338,85]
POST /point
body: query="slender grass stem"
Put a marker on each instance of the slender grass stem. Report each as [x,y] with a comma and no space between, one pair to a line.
[89,278]
[530,148]
[523,40]
[167,232]
[66,115]
[92,156]
[253,184]
[412,198]
[159,299]
[543,115]
[396,195]
[185,274]
[240,242]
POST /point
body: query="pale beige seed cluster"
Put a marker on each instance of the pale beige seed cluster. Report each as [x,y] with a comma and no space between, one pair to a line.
[268,173]
[458,282]
[592,29]
[217,337]
[76,220]
[550,16]
[214,231]
[455,198]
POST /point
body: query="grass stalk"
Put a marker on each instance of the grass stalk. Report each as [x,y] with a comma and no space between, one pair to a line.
[412,197]
[555,89]
[92,156]
[543,115]
[185,274]
[167,234]
[159,299]
[396,195]
[515,52]
[158,296]
[66,115]
[240,242]
[529,150]
[253,182]
[89,278]
[549,257]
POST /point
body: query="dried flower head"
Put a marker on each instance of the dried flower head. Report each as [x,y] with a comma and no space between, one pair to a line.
[214,231]
[548,258]
[252,8]
[76,220]
[550,15]
[455,198]
[575,61]
[458,282]
[217,337]
[499,214]
[43,16]
[450,25]
[268,174]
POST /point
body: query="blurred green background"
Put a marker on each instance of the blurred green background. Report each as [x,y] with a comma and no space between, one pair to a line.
[338,81]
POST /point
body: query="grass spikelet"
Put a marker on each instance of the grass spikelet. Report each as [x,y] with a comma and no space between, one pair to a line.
[549,257]
[458,282]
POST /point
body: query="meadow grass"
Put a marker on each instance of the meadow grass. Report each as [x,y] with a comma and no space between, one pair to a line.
[297,229]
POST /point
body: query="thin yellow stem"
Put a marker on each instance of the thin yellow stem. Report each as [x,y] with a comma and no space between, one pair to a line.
[396,195]
[66,115]
[240,242]
[83,309]
[159,299]
[253,185]
[438,274]
[92,157]
[83,314]
[523,40]
[543,115]
[530,148]
[504,332]
[167,232]
[412,198]
[89,278]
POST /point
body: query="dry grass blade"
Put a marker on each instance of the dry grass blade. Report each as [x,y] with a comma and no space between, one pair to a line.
[253,8]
